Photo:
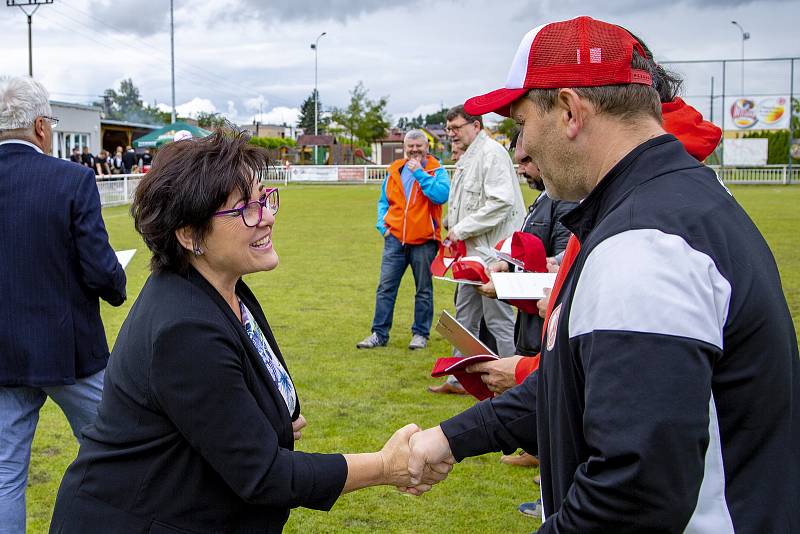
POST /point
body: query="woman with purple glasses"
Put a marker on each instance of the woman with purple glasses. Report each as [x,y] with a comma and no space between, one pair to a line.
[196,429]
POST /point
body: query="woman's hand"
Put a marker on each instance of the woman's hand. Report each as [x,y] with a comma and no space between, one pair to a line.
[297,425]
[394,456]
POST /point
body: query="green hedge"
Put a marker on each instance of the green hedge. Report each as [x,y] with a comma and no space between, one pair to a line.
[777,145]
[272,143]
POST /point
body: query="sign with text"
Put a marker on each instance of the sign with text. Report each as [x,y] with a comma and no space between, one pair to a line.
[314,173]
[757,113]
[745,151]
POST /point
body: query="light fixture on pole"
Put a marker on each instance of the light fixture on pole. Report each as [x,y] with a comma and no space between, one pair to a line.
[315,47]
[21,4]
[745,36]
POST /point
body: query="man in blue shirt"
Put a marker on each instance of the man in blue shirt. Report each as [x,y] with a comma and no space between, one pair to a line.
[409,219]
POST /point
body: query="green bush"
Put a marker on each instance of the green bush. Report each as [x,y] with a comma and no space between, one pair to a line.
[272,143]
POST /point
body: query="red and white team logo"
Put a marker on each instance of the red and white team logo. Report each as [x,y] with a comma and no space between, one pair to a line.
[552,327]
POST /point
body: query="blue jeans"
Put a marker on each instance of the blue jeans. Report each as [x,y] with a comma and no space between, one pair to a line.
[19,414]
[396,257]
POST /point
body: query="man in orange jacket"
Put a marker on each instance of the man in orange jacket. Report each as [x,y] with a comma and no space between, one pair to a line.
[410,220]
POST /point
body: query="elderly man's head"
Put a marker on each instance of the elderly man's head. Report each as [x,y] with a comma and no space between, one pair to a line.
[581,107]
[25,112]
[415,145]
[462,127]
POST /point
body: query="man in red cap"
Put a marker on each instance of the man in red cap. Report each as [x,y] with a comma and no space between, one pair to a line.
[668,394]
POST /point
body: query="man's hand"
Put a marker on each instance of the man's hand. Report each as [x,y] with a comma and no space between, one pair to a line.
[487,290]
[298,425]
[430,460]
[552,265]
[498,375]
[413,164]
[544,302]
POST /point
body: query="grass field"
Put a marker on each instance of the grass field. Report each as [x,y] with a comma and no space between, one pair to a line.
[319,302]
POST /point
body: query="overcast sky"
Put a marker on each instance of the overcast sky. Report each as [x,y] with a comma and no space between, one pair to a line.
[239,57]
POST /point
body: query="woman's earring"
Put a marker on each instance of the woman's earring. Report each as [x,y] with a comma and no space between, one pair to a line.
[197,250]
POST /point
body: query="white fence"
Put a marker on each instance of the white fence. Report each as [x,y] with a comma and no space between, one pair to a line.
[768,174]
[119,189]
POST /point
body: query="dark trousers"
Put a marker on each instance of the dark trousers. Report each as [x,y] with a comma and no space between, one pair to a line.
[396,258]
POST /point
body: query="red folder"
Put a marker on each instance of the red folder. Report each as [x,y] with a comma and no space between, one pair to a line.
[471,381]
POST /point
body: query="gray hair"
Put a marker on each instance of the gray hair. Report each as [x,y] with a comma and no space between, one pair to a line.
[415,134]
[22,99]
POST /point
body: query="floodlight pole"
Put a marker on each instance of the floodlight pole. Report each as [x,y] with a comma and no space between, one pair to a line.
[172,51]
[745,36]
[37,4]
[314,47]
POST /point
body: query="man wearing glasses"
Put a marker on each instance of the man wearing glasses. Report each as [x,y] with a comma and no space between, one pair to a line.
[485,206]
[56,263]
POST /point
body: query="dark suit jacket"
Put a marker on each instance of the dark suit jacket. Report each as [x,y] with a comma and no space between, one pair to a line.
[192,434]
[543,221]
[55,262]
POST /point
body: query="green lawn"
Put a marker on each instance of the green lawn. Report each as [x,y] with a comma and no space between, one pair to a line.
[320,302]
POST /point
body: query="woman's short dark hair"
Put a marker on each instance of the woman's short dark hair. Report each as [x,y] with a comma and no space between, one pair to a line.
[188,182]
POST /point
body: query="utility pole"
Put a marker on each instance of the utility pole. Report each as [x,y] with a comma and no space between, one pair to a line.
[35,4]
[314,47]
[745,36]
[172,49]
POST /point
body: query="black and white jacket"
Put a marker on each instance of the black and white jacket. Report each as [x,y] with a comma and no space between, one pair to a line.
[668,396]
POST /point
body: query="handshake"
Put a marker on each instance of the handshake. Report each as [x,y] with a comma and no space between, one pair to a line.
[414,460]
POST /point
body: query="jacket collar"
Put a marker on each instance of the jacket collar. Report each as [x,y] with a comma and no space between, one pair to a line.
[19,143]
[249,300]
[473,148]
[664,152]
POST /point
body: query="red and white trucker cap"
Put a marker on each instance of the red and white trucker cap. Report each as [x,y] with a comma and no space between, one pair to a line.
[581,52]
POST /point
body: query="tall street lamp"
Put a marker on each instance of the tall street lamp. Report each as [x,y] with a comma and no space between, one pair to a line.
[315,47]
[745,36]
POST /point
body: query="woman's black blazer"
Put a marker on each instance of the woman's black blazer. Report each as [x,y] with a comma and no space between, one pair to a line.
[192,435]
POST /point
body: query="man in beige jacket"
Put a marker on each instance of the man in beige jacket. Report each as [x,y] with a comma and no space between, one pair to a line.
[485,206]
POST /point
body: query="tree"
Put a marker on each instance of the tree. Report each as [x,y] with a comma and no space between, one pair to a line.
[210,120]
[126,104]
[419,121]
[306,120]
[363,120]
[507,127]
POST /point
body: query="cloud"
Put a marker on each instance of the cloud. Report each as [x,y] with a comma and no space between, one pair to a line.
[257,103]
[191,108]
[277,115]
[280,11]
[143,17]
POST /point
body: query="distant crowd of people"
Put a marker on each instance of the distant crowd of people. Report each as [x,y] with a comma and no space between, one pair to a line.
[121,162]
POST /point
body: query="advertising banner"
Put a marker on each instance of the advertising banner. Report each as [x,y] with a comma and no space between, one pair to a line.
[313,173]
[745,151]
[757,113]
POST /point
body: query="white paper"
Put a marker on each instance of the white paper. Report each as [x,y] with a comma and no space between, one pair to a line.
[124,256]
[467,282]
[522,286]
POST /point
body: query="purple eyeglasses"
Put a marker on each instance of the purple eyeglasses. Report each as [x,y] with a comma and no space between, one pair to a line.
[252,212]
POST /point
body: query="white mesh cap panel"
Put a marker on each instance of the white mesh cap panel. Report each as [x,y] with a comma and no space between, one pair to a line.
[519,67]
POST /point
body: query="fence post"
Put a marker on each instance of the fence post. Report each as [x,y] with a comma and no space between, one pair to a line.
[125,187]
[785,175]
